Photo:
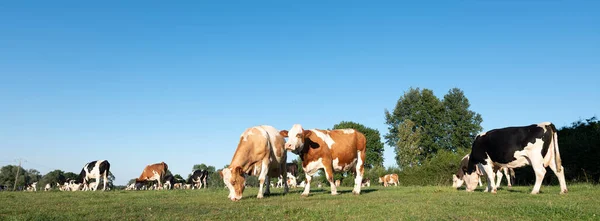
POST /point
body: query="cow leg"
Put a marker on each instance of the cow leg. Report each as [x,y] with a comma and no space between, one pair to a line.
[561,177]
[307,186]
[268,188]
[329,175]
[261,177]
[489,172]
[508,177]
[359,172]
[286,188]
[498,178]
[480,181]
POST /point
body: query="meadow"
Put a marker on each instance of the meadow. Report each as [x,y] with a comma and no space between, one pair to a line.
[375,203]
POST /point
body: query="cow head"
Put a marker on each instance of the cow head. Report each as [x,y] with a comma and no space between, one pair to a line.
[234,180]
[296,138]
[456,181]
[380,179]
[472,179]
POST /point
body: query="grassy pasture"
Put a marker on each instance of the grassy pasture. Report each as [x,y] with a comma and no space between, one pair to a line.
[376,203]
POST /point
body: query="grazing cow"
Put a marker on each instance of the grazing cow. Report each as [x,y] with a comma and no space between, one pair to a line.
[292,168]
[177,186]
[47,187]
[337,183]
[95,170]
[153,172]
[366,182]
[260,152]
[332,150]
[513,147]
[169,181]
[32,187]
[199,178]
[389,179]
[291,181]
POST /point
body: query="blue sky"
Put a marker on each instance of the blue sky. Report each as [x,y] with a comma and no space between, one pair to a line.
[142,82]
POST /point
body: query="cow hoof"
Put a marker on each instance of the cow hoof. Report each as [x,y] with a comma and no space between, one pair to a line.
[355,193]
[564,192]
[304,195]
[334,194]
[259,196]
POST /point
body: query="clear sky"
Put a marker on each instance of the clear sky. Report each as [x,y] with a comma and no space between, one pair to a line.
[140,82]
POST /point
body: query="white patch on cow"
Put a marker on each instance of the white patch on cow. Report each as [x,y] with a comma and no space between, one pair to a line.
[482,133]
[293,142]
[324,137]
[347,131]
[314,166]
[263,132]
[226,179]
[542,124]
[336,165]
[351,164]
[359,176]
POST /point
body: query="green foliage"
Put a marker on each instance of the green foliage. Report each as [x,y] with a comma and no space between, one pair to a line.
[71,175]
[374,145]
[408,149]
[436,170]
[8,173]
[210,169]
[301,176]
[463,123]
[442,124]
[53,177]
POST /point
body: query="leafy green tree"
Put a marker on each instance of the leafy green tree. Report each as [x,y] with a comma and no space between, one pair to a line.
[210,169]
[442,124]
[8,174]
[463,124]
[374,145]
[53,177]
[408,151]
[427,111]
[71,176]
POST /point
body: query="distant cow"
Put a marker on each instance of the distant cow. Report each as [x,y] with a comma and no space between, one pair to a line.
[260,152]
[291,180]
[199,178]
[366,183]
[514,147]
[389,179]
[32,187]
[292,168]
[337,183]
[94,170]
[169,180]
[338,150]
[153,172]
[47,187]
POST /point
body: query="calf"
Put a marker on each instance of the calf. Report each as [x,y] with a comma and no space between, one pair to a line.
[513,147]
[153,172]
[338,150]
[389,179]
[94,170]
[260,152]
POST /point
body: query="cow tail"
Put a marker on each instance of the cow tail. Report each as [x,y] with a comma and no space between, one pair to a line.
[557,159]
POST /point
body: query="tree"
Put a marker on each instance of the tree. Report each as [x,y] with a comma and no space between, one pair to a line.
[210,169]
[463,123]
[32,176]
[71,176]
[435,119]
[374,145]
[408,151]
[53,177]
[8,174]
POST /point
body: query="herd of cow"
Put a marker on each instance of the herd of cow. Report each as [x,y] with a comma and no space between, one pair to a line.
[262,152]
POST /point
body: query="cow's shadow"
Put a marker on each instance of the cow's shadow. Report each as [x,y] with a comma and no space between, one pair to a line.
[320,190]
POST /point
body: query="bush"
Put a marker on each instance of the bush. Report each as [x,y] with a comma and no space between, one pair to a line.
[436,170]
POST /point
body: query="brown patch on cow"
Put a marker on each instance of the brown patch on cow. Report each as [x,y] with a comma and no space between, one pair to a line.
[283,133]
[147,173]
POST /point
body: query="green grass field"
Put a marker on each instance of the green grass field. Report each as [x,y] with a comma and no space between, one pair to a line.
[376,203]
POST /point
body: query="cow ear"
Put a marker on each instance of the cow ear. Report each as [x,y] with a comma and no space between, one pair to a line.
[239,170]
[283,133]
[306,133]
[221,173]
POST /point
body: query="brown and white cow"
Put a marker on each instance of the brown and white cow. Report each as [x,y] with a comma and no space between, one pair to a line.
[332,150]
[389,179]
[153,172]
[260,152]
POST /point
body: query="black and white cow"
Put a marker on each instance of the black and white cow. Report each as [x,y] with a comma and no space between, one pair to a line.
[94,169]
[198,178]
[168,181]
[514,147]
